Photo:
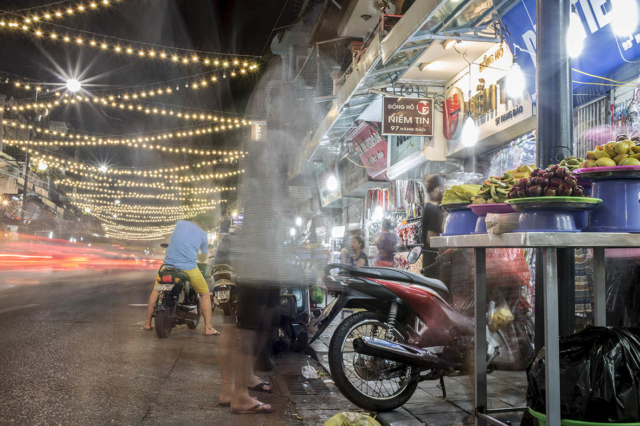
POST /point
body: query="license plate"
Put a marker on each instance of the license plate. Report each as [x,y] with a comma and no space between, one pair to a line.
[164,287]
[222,294]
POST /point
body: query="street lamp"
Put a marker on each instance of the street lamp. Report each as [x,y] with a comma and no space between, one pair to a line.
[73,85]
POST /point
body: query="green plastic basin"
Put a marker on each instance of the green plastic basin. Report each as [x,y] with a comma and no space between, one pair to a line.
[542,421]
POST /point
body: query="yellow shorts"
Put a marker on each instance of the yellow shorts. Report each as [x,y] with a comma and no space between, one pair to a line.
[196,279]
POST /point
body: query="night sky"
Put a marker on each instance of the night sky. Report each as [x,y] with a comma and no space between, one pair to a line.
[238,27]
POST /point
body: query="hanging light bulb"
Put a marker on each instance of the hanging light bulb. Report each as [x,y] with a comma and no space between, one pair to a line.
[378,214]
[298,221]
[624,17]
[469,135]
[332,183]
[42,166]
[576,35]
[515,80]
[292,232]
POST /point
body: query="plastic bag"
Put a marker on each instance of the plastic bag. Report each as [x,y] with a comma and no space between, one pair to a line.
[507,267]
[308,372]
[599,376]
[316,295]
[351,419]
[498,314]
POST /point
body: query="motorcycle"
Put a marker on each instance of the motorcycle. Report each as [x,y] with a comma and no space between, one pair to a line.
[223,285]
[177,303]
[408,333]
[290,329]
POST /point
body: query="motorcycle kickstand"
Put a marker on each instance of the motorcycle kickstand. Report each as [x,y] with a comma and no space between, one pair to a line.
[444,389]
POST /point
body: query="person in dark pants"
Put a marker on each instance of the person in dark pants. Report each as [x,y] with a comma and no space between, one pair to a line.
[432,217]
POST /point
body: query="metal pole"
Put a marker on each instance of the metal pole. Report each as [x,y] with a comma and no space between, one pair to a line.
[555,122]
[480,335]
[555,119]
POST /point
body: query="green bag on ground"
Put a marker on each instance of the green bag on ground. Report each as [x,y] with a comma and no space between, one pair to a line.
[351,419]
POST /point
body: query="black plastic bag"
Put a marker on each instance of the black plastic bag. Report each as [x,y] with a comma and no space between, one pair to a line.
[599,376]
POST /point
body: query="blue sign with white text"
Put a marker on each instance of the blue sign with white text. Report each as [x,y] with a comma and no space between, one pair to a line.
[603,51]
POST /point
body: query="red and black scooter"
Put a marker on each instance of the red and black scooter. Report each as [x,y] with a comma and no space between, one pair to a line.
[408,333]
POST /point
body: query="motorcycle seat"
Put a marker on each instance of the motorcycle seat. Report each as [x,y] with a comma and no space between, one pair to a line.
[392,274]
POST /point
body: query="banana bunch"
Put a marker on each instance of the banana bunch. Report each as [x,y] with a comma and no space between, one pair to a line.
[571,163]
[459,194]
[522,171]
[495,190]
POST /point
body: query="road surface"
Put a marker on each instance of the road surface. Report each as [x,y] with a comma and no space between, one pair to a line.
[73,352]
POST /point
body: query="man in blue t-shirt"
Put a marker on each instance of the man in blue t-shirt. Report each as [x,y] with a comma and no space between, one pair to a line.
[186,240]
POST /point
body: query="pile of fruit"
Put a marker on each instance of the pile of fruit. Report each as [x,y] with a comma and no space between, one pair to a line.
[495,190]
[459,194]
[622,153]
[522,171]
[571,163]
[551,182]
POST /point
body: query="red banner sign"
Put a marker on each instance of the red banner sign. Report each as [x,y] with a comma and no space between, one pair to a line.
[372,149]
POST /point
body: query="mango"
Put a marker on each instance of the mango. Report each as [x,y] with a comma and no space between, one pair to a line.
[629,162]
[622,147]
[636,156]
[605,162]
[592,155]
[587,163]
[618,158]
[609,150]
[635,149]
[601,153]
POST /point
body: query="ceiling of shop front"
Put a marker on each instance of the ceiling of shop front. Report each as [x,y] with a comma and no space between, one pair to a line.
[444,64]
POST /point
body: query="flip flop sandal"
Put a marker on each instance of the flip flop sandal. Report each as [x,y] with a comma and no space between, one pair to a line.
[255,410]
[260,387]
[217,333]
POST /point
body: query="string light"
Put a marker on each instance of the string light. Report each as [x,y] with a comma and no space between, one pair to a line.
[47,14]
[100,186]
[148,109]
[160,53]
[137,171]
[144,209]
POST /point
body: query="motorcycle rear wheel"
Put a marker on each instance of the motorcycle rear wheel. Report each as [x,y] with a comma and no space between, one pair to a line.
[193,325]
[163,323]
[226,308]
[344,334]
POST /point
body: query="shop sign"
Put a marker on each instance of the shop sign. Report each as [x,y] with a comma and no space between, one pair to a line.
[259,130]
[489,105]
[602,53]
[372,149]
[453,113]
[407,116]
[352,175]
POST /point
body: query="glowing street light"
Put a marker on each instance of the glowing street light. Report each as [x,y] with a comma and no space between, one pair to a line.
[73,85]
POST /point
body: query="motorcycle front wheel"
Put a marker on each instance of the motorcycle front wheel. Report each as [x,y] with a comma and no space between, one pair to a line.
[371,383]
[163,323]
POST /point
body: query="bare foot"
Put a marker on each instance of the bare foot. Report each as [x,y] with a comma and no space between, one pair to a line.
[247,403]
[211,332]
[147,327]
[224,400]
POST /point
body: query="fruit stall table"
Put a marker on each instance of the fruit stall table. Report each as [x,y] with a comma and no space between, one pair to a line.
[549,242]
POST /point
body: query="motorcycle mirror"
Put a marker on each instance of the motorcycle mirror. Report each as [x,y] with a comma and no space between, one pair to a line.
[414,254]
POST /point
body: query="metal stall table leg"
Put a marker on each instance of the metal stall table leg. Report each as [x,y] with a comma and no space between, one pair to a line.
[480,334]
[600,286]
[551,336]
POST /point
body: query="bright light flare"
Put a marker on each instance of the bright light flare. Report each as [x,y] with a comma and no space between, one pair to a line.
[74,85]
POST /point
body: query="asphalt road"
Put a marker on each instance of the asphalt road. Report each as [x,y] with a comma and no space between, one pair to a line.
[73,352]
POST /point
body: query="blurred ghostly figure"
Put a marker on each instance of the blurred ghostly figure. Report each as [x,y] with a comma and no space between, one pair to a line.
[258,250]
[386,244]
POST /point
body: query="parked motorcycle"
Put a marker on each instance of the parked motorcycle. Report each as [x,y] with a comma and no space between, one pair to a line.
[177,303]
[223,285]
[408,333]
[293,316]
